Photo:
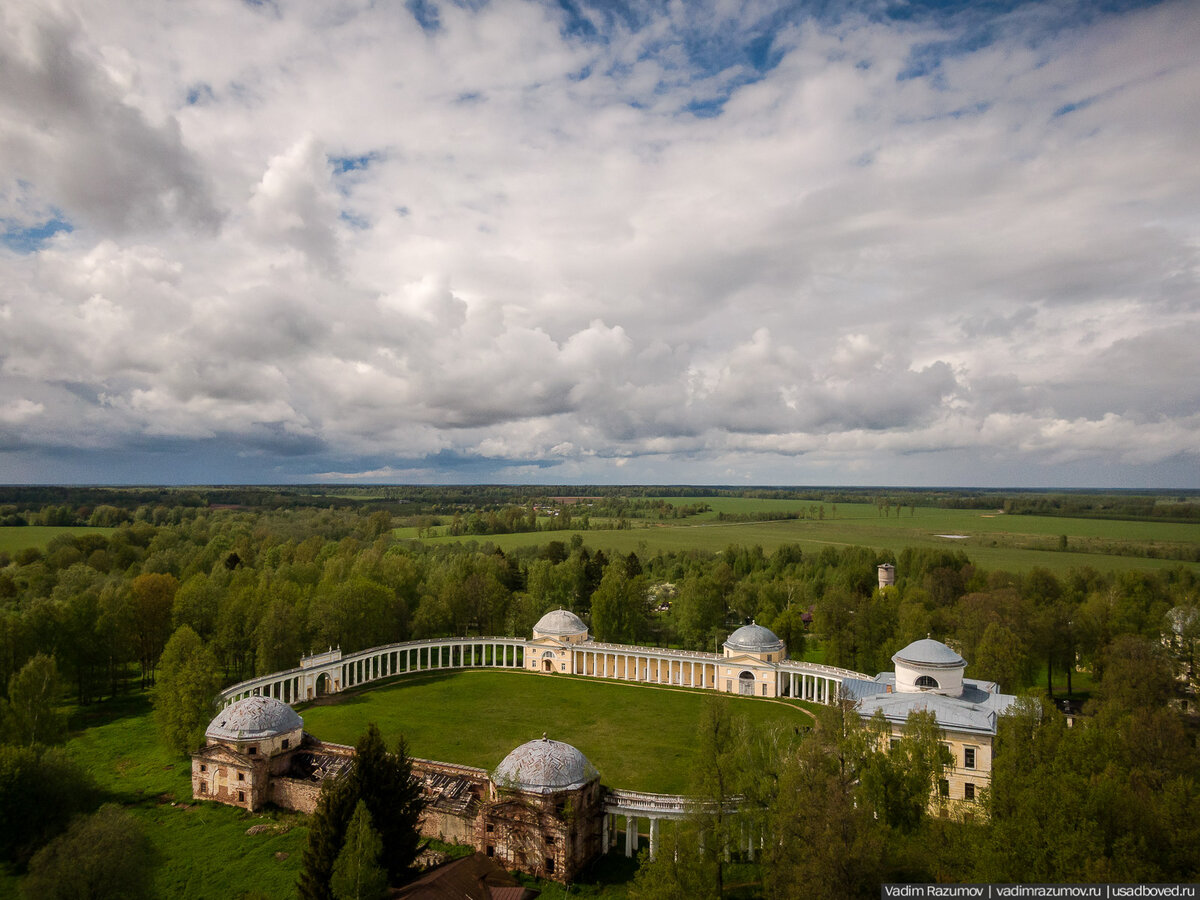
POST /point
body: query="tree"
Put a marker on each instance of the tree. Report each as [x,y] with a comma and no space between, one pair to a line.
[152,598]
[619,606]
[900,778]
[48,788]
[1136,674]
[106,855]
[357,874]
[827,844]
[187,683]
[31,714]
[384,782]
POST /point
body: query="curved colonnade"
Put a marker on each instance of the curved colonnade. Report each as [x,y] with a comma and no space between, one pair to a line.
[332,672]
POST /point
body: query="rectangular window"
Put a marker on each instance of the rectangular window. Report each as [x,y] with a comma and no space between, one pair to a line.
[285,743]
[893,743]
[203,767]
[251,750]
[764,690]
[969,757]
[549,867]
[203,788]
[241,776]
[950,750]
[491,828]
[943,788]
[491,851]
[241,796]
[969,791]
[549,840]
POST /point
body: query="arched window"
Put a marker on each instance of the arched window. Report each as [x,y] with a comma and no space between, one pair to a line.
[926,683]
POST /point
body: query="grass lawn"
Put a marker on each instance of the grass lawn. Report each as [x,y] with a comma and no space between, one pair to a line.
[14,538]
[991,539]
[640,737]
[202,848]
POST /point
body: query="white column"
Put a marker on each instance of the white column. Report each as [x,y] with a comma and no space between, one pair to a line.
[630,834]
[653,838]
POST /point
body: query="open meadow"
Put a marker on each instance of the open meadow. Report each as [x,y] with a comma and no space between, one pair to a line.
[640,737]
[15,538]
[990,538]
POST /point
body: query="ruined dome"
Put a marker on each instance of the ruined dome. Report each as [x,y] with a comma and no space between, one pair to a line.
[253,719]
[559,622]
[753,638]
[545,767]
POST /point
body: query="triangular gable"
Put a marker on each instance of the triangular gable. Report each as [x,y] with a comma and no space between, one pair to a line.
[217,753]
[746,661]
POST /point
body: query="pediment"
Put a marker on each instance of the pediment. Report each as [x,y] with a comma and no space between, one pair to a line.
[746,661]
[219,754]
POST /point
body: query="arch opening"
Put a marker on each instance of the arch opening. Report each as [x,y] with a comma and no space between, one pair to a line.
[927,683]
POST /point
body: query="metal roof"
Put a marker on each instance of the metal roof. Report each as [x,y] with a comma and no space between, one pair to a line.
[544,767]
[928,652]
[253,718]
[560,621]
[754,638]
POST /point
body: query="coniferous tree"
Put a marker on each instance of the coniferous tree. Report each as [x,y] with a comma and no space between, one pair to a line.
[357,874]
[384,783]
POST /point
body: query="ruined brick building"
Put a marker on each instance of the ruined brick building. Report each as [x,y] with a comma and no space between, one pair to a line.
[540,812]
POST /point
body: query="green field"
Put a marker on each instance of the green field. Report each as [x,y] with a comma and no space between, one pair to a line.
[638,736]
[202,848]
[14,538]
[991,539]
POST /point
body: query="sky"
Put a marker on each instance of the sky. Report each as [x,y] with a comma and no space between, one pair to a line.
[600,242]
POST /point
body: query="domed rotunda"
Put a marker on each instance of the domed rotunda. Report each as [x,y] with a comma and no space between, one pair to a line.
[755,640]
[546,811]
[253,719]
[929,665]
[544,766]
[562,625]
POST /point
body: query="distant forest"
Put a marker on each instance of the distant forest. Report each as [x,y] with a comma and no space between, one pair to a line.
[77,505]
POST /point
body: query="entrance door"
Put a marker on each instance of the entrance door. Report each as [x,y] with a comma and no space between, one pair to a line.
[746,683]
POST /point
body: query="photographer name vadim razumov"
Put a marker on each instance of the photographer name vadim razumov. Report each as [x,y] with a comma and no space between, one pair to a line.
[998,891]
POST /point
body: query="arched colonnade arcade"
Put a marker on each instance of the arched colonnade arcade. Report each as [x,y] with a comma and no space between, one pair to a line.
[331,672]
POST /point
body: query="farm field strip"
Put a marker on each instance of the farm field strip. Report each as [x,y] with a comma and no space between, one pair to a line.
[992,539]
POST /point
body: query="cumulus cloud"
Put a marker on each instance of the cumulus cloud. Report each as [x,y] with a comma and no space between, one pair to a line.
[697,242]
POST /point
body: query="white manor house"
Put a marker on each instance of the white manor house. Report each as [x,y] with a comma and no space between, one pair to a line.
[928,675]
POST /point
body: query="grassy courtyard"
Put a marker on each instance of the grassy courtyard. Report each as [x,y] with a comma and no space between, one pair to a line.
[638,736]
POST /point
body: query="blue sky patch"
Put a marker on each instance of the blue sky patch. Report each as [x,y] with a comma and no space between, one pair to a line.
[343,164]
[426,14]
[30,240]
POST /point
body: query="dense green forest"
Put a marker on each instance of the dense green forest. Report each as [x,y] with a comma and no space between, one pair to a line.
[247,587]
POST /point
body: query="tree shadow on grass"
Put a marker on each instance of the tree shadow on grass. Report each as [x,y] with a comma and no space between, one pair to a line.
[105,712]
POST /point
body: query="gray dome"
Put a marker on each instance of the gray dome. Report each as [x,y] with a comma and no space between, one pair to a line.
[545,767]
[928,652]
[560,621]
[253,719]
[753,638]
